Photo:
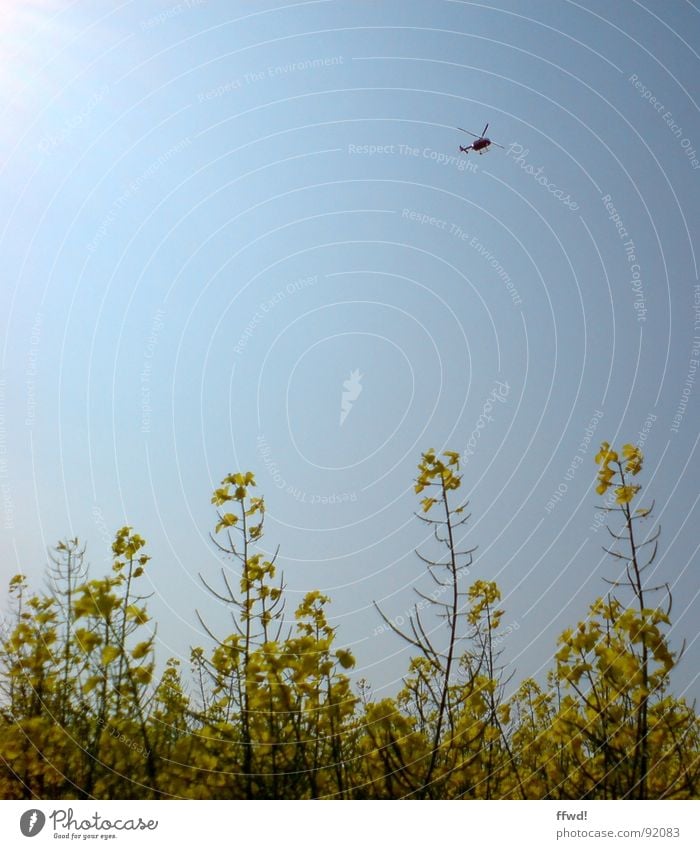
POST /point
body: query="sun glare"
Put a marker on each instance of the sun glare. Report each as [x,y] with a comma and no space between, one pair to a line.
[30,34]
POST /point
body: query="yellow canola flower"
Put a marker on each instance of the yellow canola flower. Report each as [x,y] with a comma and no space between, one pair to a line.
[605,455]
[141,650]
[345,658]
[109,653]
[624,494]
[220,495]
[605,476]
[452,457]
[604,448]
[631,452]
[634,458]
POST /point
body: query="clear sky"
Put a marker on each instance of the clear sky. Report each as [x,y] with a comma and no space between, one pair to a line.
[240,235]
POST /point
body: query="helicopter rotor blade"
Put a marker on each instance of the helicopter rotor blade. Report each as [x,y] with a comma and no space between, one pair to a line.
[468,132]
[498,145]
[485,128]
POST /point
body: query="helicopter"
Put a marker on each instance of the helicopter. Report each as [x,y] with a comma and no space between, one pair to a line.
[481,144]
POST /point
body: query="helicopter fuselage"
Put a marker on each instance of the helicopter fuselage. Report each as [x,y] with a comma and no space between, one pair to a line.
[480,145]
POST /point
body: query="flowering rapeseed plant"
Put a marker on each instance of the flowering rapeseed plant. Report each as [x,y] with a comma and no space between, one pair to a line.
[608,476]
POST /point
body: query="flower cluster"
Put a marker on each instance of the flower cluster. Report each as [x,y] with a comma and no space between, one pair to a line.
[631,465]
[433,471]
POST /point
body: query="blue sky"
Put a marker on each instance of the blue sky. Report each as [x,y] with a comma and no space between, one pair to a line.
[215,213]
